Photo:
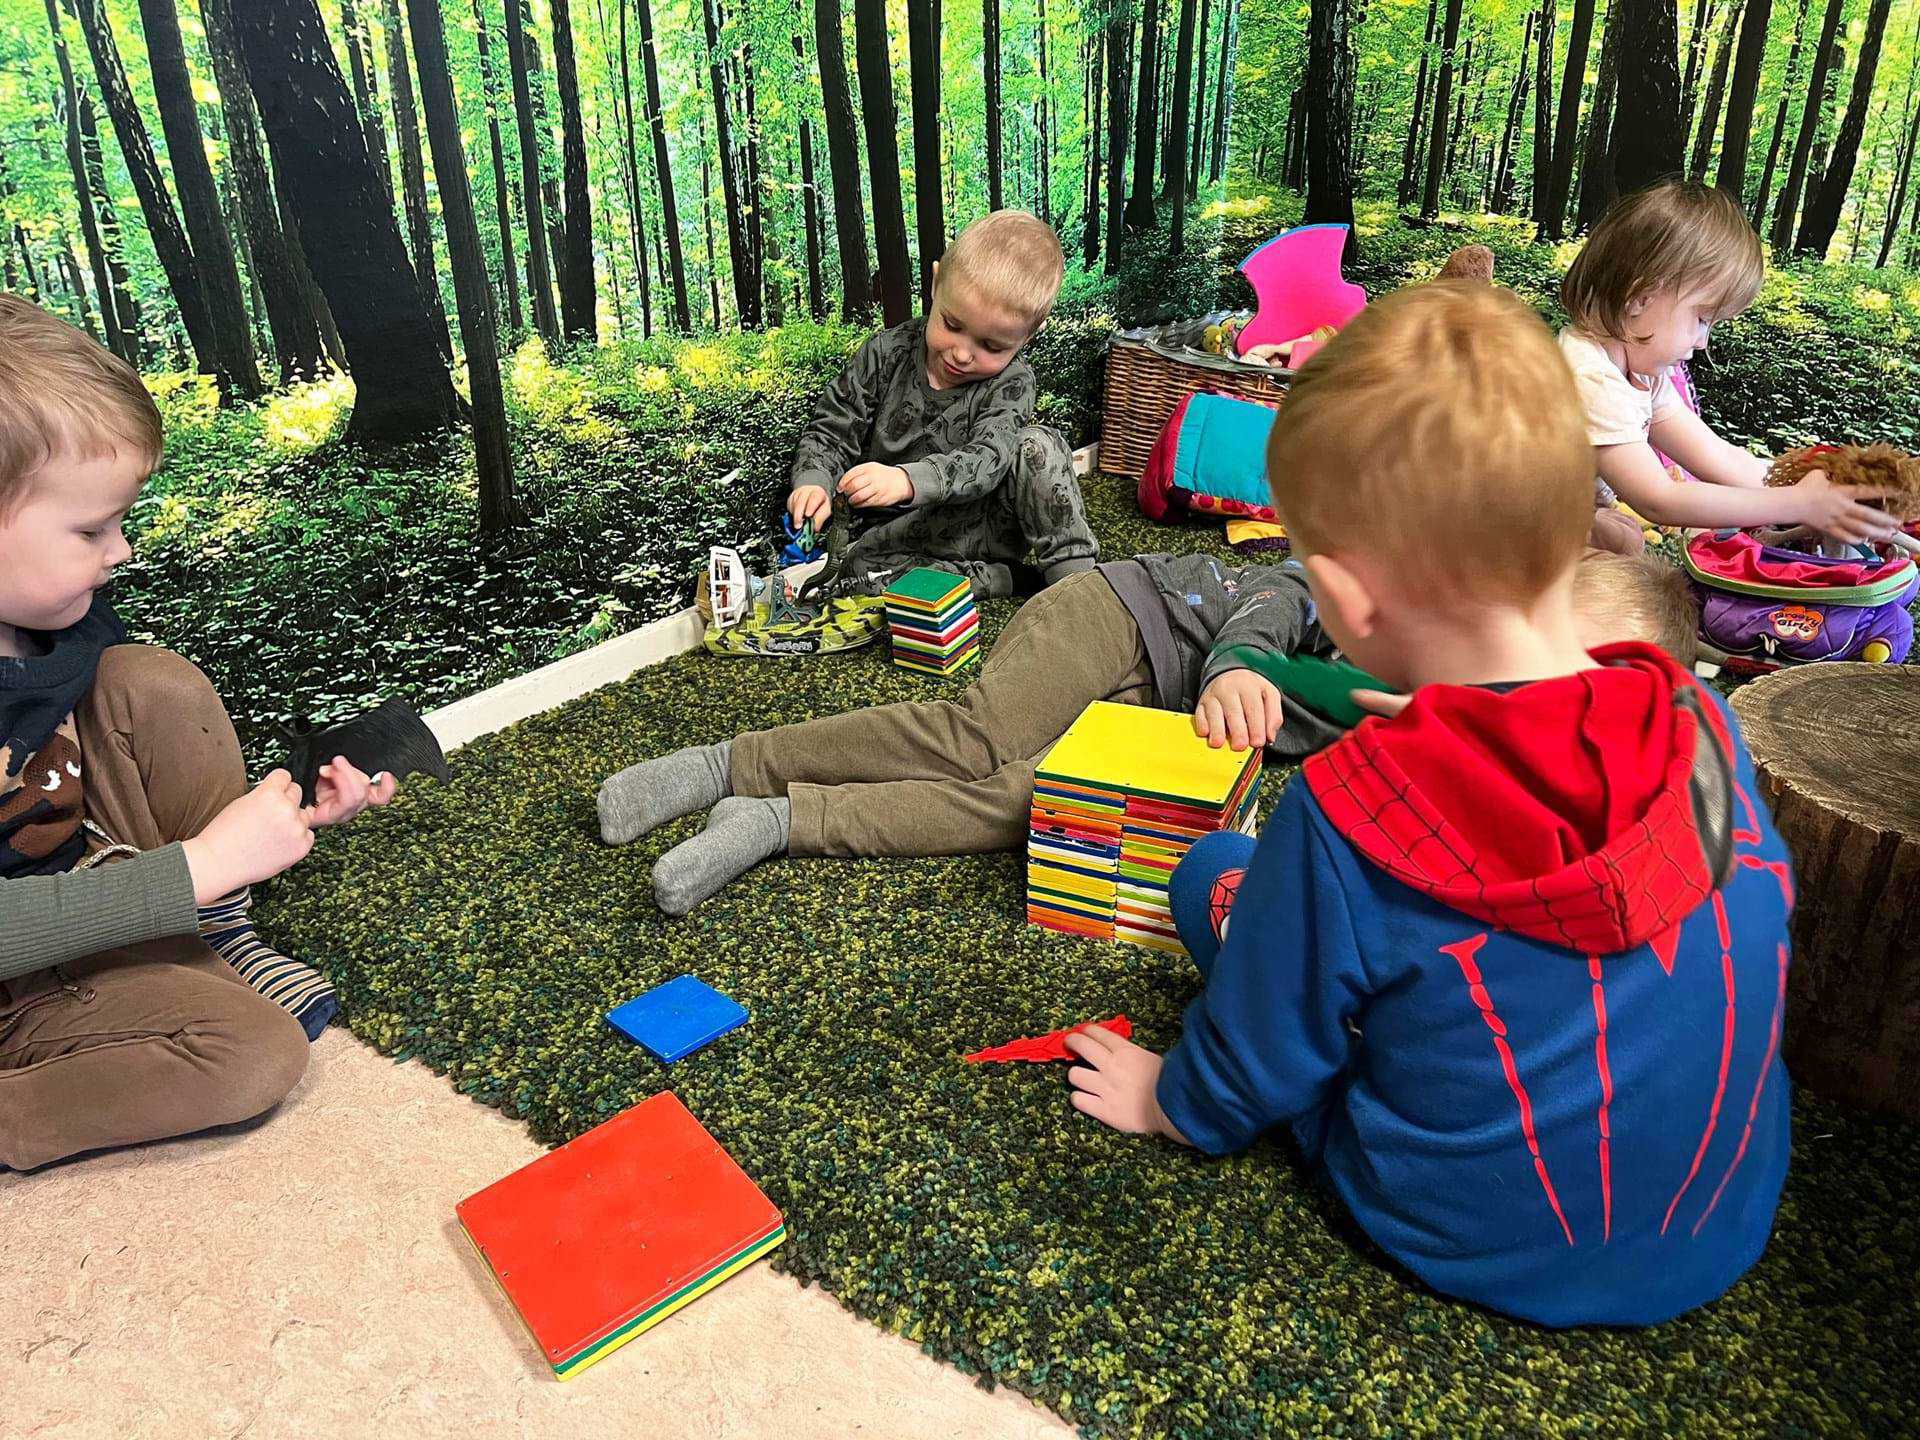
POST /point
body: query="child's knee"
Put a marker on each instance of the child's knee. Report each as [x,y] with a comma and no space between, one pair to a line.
[1043,455]
[156,683]
[268,1056]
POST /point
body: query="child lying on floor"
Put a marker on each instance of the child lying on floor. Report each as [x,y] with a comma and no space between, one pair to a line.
[956,777]
[128,838]
[930,434]
[1510,965]
[1660,269]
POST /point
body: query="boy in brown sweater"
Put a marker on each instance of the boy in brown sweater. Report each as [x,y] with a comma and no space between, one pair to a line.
[127,832]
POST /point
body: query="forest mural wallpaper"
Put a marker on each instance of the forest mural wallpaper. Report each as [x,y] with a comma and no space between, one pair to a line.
[475,323]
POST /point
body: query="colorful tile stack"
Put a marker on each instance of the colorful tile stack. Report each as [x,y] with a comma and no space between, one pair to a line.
[1116,803]
[933,622]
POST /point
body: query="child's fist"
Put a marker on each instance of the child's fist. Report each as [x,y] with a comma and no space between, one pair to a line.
[1238,708]
[872,486]
[255,838]
[810,502]
[342,792]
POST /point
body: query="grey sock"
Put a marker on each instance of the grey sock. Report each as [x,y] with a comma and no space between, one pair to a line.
[644,796]
[742,831]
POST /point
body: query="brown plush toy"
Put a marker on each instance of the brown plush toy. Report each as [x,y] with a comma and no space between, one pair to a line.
[1469,262]
[1880,467]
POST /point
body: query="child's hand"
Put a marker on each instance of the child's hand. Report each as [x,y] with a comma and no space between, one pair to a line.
[1836,509]
[1238,708]
[342,792]
[810,502]
[1116,1085]
[255,838]
[871,486]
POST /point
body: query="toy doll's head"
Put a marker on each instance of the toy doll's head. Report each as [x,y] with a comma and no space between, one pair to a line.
[1438,449]
[1662,266]
[1879,466]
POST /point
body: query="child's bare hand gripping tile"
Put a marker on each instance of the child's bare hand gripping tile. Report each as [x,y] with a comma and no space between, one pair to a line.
[1240,709]
[810,502]
[344,791]
[1116,1085]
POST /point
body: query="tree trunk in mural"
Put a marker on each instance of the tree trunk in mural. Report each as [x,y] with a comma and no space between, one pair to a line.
[200,201]
[990,62]
[1120,80]
[1823,211]
[1409,156]
[1140,211]
[1178,122]
[117,340]
[1732,175]
[663,167]
[366,92]
[1091,205]
[810,192]
[472,291]
[111,242]
[290,317]
[413,172]
[923,49]
[532,198]
[1543,107]
[1709,127]
[345,225]
[577,318]
[1223,91]
[502,195]
[1201,53]
[843,162]
[1330,117]
[1552,220]
[746,296]
[1649,136]
[1442,96]
[1788,209]
[1597,188]
[156,205]
[1788,77]
[883,159]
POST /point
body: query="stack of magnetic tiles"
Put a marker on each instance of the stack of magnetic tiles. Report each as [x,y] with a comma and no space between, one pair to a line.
[933,622]
[1116,804]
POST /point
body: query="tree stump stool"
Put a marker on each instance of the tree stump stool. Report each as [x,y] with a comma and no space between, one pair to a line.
[1837,749]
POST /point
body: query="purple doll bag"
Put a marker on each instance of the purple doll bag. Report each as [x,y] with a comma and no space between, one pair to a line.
[1766,607]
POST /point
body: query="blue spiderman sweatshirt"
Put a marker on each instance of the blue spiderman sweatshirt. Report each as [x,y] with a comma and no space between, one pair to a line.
[1512,966]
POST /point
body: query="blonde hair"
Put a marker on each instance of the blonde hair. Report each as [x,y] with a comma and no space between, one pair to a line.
[1009,258]
[1675,234]
[1635,597]
[61,394]
[1440,429]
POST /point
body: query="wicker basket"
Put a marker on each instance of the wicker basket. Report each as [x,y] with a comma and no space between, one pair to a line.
[1145,384]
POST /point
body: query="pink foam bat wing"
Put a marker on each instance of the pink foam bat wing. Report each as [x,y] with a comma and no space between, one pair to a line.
[1050,1046]
[1297,286]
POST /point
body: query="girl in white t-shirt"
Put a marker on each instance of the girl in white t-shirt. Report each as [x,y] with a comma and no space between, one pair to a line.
[1660,268]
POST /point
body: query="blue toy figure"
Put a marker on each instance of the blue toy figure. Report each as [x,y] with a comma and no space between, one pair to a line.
[800,544]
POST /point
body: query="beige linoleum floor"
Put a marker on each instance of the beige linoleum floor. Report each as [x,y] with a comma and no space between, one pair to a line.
[307,1279]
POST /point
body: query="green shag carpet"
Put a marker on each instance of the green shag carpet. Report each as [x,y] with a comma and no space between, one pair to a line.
[1134,1287]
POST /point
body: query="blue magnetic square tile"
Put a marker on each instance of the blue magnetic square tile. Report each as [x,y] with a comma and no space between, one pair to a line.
[675,1019]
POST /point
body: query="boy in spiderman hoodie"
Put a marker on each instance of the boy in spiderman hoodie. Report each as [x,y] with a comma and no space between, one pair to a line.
[1511,963]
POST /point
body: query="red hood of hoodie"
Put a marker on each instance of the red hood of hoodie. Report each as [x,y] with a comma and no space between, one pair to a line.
[1559,809]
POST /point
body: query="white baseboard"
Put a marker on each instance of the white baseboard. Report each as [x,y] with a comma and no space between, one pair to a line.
[526,695]
[1086,459]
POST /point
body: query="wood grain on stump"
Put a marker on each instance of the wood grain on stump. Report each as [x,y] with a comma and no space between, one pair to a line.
[1837,749]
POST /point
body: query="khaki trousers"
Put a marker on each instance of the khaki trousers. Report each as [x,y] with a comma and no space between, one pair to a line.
[953,777]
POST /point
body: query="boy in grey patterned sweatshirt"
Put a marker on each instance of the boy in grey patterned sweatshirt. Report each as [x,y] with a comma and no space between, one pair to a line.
[929,430]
